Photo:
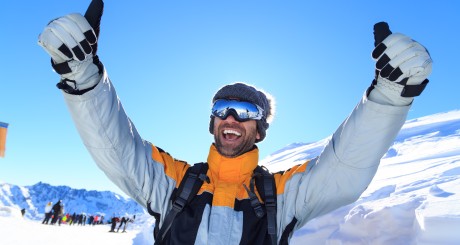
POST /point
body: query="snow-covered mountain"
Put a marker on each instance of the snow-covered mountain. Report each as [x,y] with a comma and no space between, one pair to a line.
[414,197]
[34,199]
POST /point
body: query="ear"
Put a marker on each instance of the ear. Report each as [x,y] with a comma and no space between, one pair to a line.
[211,125]
[257,135]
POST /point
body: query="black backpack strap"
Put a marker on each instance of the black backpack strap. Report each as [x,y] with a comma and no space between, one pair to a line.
[266,184]
[188,188]
[156,229]
[284,240]
[254,200]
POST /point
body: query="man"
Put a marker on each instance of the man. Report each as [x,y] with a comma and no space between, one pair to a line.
[122,222]
[48,209]
[221,212]
[114,222]
[57,212]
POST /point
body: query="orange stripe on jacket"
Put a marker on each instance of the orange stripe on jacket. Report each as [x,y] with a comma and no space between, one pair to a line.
[282,178]
[174,168]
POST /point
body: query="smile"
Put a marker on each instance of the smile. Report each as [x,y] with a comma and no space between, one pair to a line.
[230,131]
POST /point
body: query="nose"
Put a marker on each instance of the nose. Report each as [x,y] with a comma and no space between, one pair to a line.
[230,118]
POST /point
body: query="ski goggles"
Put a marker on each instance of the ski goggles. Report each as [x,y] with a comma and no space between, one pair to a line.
[240,110]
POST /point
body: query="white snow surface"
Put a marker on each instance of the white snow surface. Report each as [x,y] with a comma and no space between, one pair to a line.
[413,199]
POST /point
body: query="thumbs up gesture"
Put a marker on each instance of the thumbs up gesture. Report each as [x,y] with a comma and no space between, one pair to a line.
[71,41]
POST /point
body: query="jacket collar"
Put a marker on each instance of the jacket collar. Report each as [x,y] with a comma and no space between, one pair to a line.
[232,169]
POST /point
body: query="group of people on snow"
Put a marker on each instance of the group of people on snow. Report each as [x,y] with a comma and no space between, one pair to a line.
[55,214]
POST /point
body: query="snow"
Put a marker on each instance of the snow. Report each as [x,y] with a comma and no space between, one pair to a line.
[413,199]
[14,229]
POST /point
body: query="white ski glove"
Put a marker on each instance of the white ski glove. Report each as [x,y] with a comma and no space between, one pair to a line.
[71,41]
[402,68]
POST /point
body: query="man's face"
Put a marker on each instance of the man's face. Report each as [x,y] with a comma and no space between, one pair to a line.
[233,138]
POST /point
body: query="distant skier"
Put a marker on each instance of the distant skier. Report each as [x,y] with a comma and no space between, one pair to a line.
[96,219]
[73,219]
[91,220]
[128,220]
[114,224]
[61,214]
[122,222]
[80,219]
[48,209]
[56,212]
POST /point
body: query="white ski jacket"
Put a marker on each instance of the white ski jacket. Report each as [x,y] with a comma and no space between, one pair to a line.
[337,177]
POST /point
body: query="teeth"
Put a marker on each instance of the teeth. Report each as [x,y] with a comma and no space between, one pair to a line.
[229,131]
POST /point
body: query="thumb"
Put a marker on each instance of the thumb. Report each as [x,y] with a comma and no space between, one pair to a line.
[93,15]
[381,31]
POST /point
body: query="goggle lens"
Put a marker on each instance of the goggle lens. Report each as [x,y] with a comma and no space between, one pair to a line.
[241,110]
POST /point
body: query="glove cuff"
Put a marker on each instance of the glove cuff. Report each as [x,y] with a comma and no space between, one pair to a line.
[394,90]
[79,77]
[414,90]
[65,86]
[386,92]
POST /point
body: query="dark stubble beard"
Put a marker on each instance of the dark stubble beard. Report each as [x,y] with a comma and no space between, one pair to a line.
[235,151]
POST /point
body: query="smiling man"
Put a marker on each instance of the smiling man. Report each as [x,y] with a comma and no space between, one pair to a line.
[235,202]
[239,118]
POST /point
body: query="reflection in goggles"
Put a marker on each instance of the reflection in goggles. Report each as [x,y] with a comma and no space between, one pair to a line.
[240,110]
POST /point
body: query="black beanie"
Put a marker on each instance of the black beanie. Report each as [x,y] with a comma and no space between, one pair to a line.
[245,92]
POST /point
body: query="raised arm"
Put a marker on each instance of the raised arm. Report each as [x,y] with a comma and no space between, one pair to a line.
[134,165]
[350,160]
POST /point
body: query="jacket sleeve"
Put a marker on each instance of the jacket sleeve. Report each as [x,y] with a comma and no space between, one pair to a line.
[117,148]
[341,173]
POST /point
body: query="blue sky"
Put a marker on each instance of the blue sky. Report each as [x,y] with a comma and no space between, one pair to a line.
[168,58]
